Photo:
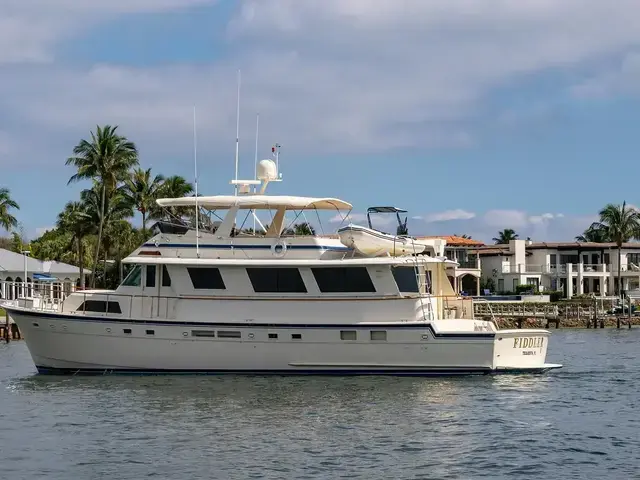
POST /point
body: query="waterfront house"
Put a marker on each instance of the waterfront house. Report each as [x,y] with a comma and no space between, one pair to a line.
[42,276]
[575,268]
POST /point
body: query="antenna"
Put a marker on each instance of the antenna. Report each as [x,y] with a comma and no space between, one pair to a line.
[195,170]
[255,167]
[237,132]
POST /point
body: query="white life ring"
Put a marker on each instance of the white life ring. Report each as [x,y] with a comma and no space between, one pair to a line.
[279,249]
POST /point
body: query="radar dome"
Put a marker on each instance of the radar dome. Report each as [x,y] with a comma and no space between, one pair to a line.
[267,170]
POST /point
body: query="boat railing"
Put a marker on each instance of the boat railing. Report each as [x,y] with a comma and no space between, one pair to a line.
[144,306]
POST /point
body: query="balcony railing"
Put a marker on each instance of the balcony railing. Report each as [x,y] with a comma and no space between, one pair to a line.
[469,264]
[554,269]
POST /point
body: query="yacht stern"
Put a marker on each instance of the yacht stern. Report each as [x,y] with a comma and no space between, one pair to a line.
[520,350]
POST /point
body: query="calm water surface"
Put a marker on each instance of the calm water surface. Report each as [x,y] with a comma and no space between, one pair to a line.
[580,422]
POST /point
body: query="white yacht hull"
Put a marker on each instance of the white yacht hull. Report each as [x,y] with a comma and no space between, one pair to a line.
[72,344]
[372,243]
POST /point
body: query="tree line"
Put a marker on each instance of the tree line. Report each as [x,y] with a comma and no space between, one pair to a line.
[97,226]
[96,230]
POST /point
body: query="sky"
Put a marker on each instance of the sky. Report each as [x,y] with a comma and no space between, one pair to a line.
[474,115]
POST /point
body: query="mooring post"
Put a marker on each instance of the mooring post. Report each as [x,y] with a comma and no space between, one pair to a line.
[7,328]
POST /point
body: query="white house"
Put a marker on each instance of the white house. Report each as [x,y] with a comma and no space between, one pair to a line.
[574,268]
[46,276]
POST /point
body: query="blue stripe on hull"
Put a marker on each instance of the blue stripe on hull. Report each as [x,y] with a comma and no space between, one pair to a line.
[342,326]
[444,372]
[246,247]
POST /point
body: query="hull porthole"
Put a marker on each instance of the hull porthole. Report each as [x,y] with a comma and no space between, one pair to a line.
[279,249]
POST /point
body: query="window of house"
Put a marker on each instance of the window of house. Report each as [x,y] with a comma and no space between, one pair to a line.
[134,279]
[501,284]
[151,276]
[166,278]
[633,258]
[206,278]
[101,306]
[276,280]
[343,279]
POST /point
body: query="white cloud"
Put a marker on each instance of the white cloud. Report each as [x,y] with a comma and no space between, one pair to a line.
[448,215]
[30,30]
[623,79]
[335,76]
[506,218]
[351,218]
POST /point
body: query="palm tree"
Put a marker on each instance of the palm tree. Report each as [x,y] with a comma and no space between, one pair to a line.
[7,220]
[462,236]
[621,223]
[107,160]
[505,236]
[142,191]
[76,220]
[172,187]
[594,234]
[304,228]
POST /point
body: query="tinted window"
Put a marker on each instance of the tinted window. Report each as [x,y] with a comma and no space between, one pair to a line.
[99,306]
[166,279]
[406,279]
[151,276]
[207,278]
[134,277]
[335,280]
[276,280]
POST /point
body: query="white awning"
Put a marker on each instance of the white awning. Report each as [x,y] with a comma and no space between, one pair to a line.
[257,202]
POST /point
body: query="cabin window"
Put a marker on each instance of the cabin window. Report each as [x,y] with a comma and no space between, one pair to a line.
[228,334]
[378,335]
[341,279]
[166,278]
[126,331]
[206,278]
[348,335]
[151,276]
[406,279]
[203,333]
[99,306]
[276,280]
[134,279]
[150,332]
[273,336]
[296,336]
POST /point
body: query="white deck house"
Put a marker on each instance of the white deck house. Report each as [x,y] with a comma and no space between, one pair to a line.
[574,268]
[47,278]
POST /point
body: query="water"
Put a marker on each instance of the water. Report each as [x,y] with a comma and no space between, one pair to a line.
[579,422]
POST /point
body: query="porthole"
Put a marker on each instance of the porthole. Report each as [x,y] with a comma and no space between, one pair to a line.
[108,330]
[251,335]
[185,334]
[425,336]
[36,324]
[51,325]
